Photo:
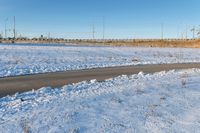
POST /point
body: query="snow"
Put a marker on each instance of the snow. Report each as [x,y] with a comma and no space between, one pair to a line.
[165,102]
[21,59]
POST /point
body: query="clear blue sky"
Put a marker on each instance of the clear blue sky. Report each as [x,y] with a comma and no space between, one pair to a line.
[123,18]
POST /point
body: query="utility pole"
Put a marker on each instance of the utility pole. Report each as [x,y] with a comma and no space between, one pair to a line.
[1,36]
[193,31]
[14,26]
[186,32]
[177,33]
[49,35]
[182,35]
[93,31]
[103,29]
[6,27]
[162,31]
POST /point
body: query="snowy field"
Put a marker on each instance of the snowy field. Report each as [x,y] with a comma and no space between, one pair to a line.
[165,102]
[24,59]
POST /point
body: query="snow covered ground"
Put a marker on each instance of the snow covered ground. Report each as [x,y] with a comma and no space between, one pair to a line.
[24,59]
[167,102]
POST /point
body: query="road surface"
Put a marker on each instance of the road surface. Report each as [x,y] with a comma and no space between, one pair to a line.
[12,85]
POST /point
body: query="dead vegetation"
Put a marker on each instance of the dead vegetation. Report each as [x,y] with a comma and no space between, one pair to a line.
[174,43]
[155,43]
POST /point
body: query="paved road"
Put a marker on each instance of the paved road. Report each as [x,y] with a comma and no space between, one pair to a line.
[11,85]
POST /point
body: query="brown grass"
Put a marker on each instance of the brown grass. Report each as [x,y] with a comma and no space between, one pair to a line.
[190,43]
[156,43]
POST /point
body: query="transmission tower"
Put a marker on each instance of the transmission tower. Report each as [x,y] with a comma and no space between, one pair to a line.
[162,31]
[14,26]
[93,31]
[6,20]
[103,29]
[193,32]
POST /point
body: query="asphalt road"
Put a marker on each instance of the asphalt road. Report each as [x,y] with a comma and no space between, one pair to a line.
[12,85]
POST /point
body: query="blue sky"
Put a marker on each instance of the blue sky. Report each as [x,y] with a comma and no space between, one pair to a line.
[123,18]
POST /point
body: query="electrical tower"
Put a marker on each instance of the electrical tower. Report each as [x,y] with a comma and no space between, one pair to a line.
[162,31]
[186,32]
[14,26]
[6,27]
[93,31]
[193,32]
[103,29]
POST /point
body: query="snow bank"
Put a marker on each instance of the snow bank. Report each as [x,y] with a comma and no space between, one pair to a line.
[160,102]
[30,59]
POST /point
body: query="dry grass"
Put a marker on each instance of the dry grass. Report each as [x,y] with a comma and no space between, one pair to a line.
[157,43]
[190,43]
